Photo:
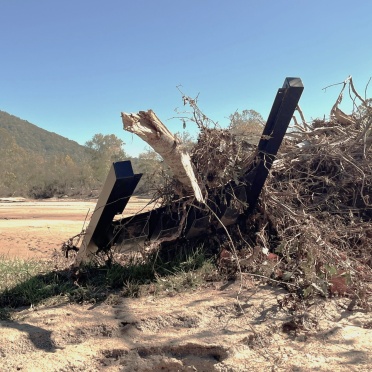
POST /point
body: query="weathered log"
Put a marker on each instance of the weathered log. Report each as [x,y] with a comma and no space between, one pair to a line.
[149,127]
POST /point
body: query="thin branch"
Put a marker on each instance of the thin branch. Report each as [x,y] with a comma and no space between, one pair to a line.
[332,85]
[366,88]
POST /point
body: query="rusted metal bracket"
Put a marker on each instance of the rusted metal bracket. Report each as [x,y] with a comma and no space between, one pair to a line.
[184,219]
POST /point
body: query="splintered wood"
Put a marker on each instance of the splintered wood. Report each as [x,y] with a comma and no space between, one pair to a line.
[148,127]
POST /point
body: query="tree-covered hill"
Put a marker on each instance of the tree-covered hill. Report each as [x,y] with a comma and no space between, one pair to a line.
[38,163]
[30,137]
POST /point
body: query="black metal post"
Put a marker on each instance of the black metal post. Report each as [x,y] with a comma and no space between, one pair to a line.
[118,188]
[280,116]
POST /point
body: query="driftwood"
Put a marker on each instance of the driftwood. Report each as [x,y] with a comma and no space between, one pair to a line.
[148,127]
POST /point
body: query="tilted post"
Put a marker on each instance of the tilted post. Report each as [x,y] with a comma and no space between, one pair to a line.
[118,188]
[281,113]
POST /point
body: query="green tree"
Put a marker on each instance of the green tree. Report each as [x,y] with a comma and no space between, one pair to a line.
[188,141]
[247,125]
[364,112]
[104,150]
[151,165]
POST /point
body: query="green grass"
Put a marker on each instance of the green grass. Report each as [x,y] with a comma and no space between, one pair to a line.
[25,283]
[28,282]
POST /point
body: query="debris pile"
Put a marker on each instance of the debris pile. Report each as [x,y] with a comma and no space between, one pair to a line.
[312,229]
[218,156]
[314,219]
[319,198]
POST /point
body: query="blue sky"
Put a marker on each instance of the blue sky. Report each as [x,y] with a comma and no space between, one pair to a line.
[72,66]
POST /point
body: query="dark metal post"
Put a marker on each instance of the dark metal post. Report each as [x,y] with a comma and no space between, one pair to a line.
[280,116]
[118,188]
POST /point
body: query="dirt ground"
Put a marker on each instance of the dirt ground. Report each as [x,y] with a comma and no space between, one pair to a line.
[221,327]
[30,229]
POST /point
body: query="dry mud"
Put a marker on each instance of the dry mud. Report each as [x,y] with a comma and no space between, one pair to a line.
[222,327]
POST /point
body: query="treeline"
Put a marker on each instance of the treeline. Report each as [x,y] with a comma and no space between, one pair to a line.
[64,168]
[31,174]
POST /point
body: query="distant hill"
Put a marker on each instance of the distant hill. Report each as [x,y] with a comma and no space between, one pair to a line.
[37,140]
[37,163]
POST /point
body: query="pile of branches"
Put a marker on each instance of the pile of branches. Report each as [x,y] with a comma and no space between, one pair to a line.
[318,198]
[312,230]
[313,226]
[218,156]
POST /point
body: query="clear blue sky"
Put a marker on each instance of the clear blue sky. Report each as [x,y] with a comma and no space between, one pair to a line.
[72,66]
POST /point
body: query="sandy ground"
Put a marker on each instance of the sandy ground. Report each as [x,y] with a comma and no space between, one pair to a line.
[206,330]
[36,228]
[221,327]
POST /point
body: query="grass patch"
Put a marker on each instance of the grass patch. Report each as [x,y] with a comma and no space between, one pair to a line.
[15,271]
[30,282]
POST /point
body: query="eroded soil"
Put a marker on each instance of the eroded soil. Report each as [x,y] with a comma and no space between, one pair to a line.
[206,330]
[221,327]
